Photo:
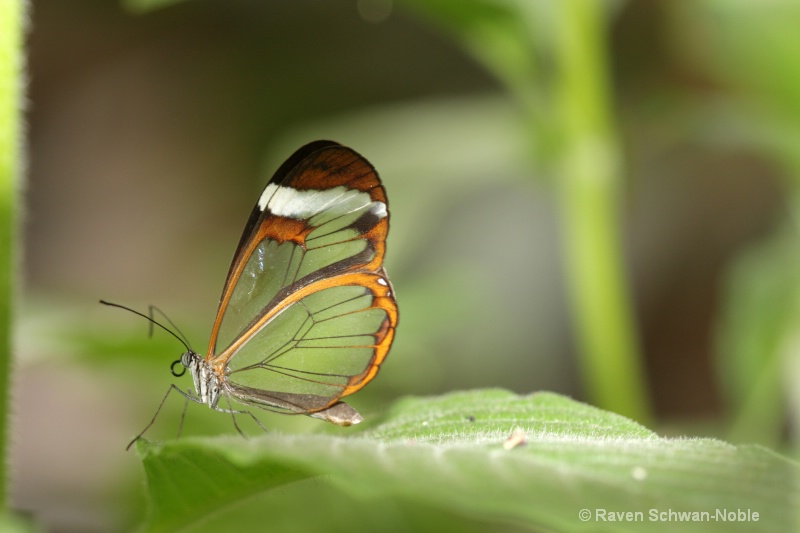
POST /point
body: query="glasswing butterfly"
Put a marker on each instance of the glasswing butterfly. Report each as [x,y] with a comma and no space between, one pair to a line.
[307,313]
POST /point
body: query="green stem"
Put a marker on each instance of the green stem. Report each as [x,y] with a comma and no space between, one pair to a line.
[11,66]
[590,189]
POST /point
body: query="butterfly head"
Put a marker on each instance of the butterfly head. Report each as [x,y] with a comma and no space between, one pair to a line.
[188,360]
[206,383]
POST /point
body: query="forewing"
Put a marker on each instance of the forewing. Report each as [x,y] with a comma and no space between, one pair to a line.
[322,214]
[324,342]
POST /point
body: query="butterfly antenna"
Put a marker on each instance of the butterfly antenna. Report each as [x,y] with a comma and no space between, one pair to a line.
[170,322]
[152,321]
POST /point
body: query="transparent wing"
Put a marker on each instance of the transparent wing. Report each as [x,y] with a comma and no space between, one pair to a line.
[323,213]
[324,342]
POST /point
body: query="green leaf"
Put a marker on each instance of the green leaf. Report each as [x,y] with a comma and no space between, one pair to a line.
[500,34]
[757,334]
[18,523]
[755,45]
[12,64]
[437,464]
[145,6]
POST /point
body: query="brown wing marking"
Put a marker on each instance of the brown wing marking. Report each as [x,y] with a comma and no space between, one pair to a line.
[331,166]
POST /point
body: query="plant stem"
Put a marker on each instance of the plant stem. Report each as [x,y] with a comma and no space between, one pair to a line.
[590,181]
[12,13]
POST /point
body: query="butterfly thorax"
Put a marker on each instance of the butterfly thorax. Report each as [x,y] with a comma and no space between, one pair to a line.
[206,383]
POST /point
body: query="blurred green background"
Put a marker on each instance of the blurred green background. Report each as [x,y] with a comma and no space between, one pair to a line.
[151,133]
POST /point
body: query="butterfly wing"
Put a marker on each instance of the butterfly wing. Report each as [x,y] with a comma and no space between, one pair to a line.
[307,313]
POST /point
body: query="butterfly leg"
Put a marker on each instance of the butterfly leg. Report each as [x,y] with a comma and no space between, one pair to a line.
[183,417]
[164,399]
[234,412]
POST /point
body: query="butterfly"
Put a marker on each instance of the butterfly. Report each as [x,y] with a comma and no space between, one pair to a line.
[307,313]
